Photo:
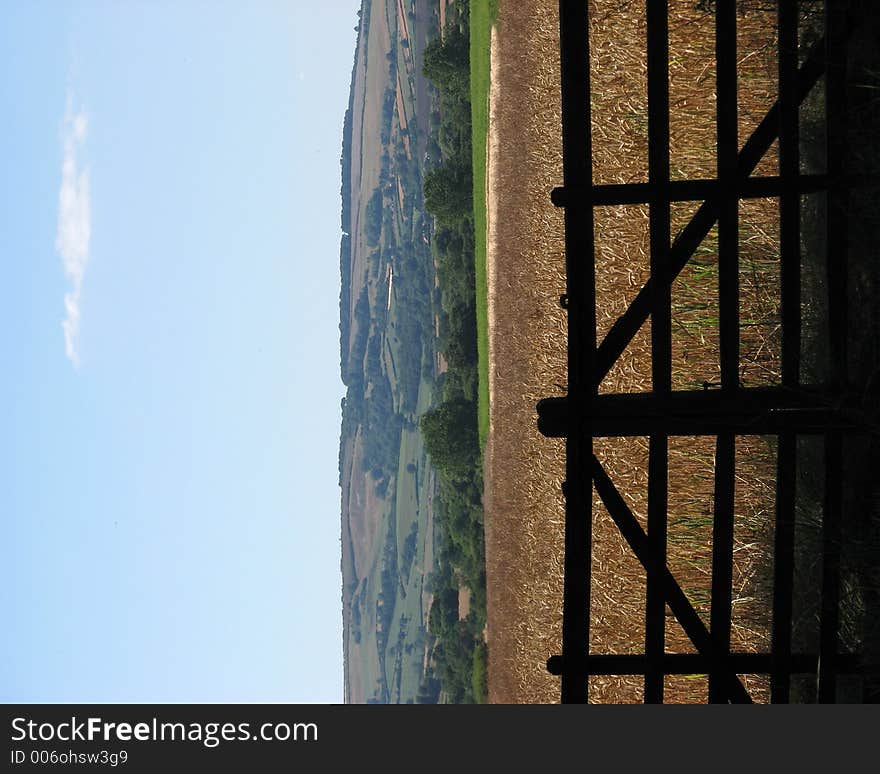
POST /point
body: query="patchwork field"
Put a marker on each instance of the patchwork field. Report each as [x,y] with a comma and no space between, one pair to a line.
[388,358]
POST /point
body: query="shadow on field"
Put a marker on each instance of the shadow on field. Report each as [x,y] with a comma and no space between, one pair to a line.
[860,547]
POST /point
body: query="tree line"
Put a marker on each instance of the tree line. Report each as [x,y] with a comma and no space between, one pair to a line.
[450,429]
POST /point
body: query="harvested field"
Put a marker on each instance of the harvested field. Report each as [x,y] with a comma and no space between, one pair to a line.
[402,21]
[370,84]
[527,341]
[401,118]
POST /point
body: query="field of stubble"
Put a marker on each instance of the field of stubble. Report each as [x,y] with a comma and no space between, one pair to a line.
[524,506]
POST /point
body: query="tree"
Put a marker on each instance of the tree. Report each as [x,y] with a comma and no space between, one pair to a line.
[373,219]
[450,434]
[446,61]
[429,689]
[448,192]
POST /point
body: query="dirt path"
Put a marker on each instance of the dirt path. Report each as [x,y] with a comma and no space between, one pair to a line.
[491,214]
[491,281]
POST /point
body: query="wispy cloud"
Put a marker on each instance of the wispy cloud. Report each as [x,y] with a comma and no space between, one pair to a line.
[74,221]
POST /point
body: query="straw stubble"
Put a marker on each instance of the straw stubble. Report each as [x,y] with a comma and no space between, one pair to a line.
[526,272]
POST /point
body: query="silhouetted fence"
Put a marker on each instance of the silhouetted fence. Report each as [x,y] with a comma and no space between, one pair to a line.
[786,410]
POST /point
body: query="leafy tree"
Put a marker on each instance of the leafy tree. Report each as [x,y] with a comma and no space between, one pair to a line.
[446,61]
[429,689]
[451,437]
[448,191]
[373,219]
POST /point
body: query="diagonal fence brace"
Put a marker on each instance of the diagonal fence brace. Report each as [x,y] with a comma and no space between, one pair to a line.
[679,604]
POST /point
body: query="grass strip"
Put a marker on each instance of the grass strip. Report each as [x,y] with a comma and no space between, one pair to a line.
[482,17]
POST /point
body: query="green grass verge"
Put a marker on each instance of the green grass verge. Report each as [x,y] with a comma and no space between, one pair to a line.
[482,17]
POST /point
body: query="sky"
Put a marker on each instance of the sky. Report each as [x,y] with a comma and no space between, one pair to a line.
[170,406]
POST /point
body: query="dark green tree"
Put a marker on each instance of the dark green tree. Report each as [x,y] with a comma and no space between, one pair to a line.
[446,61]
[373,219]
[448,191]
[450,433]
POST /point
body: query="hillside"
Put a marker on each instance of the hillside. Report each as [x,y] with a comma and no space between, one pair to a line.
[388,358]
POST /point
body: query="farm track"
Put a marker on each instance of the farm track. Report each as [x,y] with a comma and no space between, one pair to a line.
[527,342]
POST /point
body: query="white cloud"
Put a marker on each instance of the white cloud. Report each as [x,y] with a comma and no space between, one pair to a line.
[74,221]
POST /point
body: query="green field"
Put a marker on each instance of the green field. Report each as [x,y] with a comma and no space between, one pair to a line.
[389,640]
[403,677]
[395,663]
[482,17]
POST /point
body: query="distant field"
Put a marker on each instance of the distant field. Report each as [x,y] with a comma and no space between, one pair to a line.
[370,88]
[483,13]
[388,528]
[411,506]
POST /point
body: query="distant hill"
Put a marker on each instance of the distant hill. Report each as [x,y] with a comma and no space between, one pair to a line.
[388,358]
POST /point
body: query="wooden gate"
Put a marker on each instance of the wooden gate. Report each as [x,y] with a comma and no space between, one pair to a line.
[785,411]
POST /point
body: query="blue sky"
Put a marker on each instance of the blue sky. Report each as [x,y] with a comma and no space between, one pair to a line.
[170,407]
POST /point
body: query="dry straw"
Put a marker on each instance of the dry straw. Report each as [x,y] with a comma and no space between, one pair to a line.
[524,516]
